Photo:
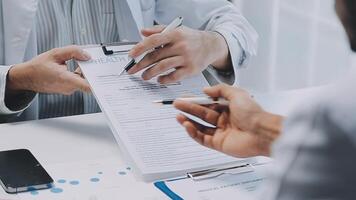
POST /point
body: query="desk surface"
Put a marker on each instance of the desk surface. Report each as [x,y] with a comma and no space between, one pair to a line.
[88,137]
[71,140]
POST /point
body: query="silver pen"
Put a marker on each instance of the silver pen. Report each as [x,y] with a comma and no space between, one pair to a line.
[173,25]
[196,100]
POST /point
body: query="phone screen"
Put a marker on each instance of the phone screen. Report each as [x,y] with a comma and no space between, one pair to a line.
[20,171]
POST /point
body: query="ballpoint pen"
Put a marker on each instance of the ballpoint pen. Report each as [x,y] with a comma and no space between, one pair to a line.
[196,100]
[173,25]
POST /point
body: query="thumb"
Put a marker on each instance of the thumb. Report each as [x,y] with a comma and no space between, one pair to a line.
[221,90]
[70,52]
[152,30]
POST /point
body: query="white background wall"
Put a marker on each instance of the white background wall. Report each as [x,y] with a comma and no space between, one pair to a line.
[301,44]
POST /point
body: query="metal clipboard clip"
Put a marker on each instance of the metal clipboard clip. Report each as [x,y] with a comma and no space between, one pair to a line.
[105,47]
[111,52]
[218,171]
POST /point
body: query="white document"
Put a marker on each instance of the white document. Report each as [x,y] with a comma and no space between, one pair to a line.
[148,134]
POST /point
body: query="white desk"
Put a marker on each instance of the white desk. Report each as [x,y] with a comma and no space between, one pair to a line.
[68,140]
[87,137]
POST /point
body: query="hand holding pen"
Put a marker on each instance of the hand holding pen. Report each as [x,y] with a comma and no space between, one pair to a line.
[185,52]
[242,129]
[134,60]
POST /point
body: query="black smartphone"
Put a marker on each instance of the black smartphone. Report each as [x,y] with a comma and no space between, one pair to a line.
[20,171]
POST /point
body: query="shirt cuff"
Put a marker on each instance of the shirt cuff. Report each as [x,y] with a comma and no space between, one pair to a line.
[239,58]
[20,103]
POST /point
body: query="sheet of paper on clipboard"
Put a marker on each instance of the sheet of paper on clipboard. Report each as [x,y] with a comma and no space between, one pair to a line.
[148,134]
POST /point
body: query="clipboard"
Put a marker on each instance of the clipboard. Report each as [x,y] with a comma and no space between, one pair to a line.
[204,175]
[243,175]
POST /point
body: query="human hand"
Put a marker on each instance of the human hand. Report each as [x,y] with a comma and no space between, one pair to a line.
[185,52]
[243,129]
[47,73]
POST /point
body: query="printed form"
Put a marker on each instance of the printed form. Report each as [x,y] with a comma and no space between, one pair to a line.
[148,134]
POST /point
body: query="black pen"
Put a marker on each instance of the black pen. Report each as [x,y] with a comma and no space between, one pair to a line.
[173,25]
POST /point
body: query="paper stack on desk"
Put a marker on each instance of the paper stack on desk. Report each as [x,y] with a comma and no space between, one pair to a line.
[148,134]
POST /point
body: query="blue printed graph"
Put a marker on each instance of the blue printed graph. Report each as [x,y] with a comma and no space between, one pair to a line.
[71,184]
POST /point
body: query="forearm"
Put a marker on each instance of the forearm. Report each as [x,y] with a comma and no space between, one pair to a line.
[238,37]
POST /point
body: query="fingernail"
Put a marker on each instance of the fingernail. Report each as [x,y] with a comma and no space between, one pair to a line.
[177,102]
[186,124]
[146,78]
[131,53]
[131,71]
[206,89]
[86,55]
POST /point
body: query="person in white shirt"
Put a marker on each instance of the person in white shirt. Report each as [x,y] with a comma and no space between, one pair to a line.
[314,148]
[215,38]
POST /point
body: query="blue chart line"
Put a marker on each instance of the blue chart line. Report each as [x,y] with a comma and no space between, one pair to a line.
[94,180]
[61,181]
[56,190]
[74,182]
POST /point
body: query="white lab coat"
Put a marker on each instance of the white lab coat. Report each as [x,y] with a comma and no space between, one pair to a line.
[18,42]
